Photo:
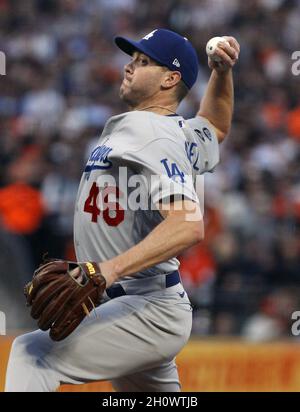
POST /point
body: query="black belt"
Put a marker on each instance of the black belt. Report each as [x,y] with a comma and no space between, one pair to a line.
[117,290]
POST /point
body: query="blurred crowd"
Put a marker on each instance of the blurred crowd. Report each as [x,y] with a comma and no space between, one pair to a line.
[62,80]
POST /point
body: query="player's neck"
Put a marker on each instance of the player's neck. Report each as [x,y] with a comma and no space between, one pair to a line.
[163,109]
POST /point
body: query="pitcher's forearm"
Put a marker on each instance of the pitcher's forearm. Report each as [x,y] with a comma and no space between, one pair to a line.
[167,240]
[217,102]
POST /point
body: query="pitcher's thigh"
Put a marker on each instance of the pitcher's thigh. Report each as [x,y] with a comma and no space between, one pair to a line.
[122,339]
[163,378]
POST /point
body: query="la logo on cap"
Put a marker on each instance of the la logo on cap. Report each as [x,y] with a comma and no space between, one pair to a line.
[148,36]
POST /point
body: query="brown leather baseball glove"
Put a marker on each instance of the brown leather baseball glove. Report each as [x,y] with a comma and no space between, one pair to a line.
[62,293]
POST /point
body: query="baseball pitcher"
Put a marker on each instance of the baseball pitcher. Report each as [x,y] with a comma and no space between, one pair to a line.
[120,312]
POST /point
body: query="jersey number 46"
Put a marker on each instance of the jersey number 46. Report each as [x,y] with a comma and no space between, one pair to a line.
[108,208]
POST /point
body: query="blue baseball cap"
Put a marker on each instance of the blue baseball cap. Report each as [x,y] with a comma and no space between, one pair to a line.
[168,49]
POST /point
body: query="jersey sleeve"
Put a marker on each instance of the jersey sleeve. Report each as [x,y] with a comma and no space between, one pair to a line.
[165,165]
[208,146]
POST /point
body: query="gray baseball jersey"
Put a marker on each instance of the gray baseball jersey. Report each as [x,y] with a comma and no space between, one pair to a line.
[131,340]
[141,158]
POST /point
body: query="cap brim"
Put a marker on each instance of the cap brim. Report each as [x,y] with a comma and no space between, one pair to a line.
[128,46]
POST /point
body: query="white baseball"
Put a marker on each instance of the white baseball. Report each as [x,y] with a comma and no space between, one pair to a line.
[211,46]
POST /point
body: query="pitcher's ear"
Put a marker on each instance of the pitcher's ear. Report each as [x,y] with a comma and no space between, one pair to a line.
[171,79]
